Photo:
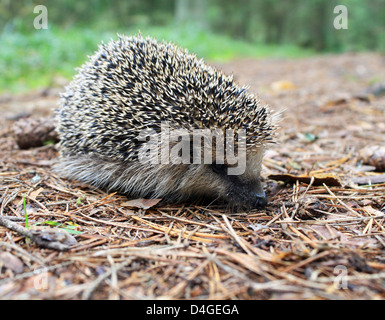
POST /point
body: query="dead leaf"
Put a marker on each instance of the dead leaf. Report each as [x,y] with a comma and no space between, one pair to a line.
[319,179]
[371,211]
[345,98]
[141,203]
[326,232]
[11,262]
[283,85]
[35,193]
[373,156]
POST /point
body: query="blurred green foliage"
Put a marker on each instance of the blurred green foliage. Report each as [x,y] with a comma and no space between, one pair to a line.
[215,29]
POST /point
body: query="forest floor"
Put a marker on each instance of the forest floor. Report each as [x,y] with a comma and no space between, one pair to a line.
[322,235]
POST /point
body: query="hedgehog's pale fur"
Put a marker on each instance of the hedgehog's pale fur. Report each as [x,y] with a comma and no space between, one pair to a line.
[136,83]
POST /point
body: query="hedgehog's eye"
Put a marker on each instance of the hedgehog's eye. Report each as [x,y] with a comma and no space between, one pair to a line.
[219,168]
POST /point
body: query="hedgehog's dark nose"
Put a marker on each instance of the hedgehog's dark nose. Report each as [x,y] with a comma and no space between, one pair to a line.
[260,201]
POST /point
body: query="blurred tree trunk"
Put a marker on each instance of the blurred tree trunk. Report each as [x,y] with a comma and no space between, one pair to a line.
[319,24]
[191,11]
[181,10]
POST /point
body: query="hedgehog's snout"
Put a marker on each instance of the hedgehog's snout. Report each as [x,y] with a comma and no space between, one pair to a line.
[245,193]
[251,199]
[248,199]
[260,201]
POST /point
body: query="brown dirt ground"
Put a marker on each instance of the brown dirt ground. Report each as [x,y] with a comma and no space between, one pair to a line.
[311,242]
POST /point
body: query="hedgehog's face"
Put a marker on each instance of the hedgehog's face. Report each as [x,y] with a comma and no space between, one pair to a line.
[244,190]
[213,181]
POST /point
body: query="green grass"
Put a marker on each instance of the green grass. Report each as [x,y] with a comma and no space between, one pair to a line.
[36,59]
[67,226]
[25,213]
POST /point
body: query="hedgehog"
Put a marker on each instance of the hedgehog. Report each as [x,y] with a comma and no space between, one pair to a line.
[132,88]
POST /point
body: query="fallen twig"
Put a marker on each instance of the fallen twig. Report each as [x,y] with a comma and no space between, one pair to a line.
[35,235]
